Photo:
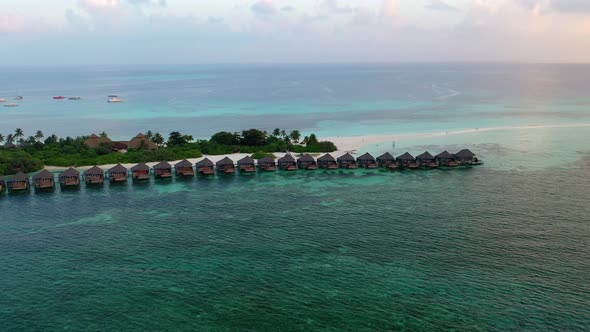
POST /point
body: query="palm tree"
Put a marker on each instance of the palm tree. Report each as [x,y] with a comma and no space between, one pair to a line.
[158,139]
[39,135]
[18,134]
[295,135]
[31,140]
[276,132]
[1,138]
[305,140]
[104,134]
[149,134]
[283,133]
[10,139]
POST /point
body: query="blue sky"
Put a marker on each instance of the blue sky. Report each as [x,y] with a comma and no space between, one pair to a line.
[236,31]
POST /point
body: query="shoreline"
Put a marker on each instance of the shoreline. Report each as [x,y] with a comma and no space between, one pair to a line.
[345,144]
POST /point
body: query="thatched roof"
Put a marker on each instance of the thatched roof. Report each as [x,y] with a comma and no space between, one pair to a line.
[465,154]
[206,163]
[444,155]
[224,162]
[94,171]
[136,142]
[326,158]
[18,177]
[346,157]
[118,169]
[425,156]
[386,157]
[70,172]
[287,159]
[246,161]
[95,141]
[307,158]
[163,165]
[405,157]
[266,160]
[366,157]
[140,167]
[183,164]
[9,146]
[43,175]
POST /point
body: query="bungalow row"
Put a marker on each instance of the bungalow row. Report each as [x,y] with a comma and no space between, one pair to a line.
[46,180]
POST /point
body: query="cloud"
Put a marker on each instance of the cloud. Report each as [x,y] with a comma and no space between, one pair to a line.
[263,8]
[440,5]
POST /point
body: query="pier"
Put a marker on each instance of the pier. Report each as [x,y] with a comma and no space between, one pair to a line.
[46,180]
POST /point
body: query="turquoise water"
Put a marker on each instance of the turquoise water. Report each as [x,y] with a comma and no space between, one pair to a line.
[504,246]
[330,100]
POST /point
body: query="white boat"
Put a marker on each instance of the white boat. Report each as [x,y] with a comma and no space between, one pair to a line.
[2,100]
[115,100]
[75,98]
[18,98]
[10,105]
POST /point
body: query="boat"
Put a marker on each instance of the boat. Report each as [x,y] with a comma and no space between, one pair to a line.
[115,100]
[2,100]
[10,105]
[113,96]
[59,97]
[18,98]
[75,98]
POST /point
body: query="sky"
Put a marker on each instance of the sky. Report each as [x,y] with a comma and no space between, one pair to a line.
[295,31]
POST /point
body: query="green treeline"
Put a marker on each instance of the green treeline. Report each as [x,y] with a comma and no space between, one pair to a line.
[29,154]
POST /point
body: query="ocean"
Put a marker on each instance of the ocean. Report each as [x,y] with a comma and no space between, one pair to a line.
[503,246]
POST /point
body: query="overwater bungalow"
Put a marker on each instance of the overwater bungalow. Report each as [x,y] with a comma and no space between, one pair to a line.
[184,168]
[118,173]
[44,180]
[69,178]
[366,161]
[140,171]
[287,163]
[347,161]
[18,182]
[226,166]
[307,162]
[94,175]
[247,165]
[445,159]
[327,162]
[386,160]
[267,164]
[406,160]
[466,157]
[163,170]
[205,167]
[426,160]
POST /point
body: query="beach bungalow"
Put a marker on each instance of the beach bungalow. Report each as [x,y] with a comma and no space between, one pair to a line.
[307,162]
[287,163]
[347,161]
[94,141]
[386,160]
[267,164]
[406,160]
[426,160]
[44,180]
[118,173]
[466,157]
[69,178]
[163,170]
[445,159]
[141,142]
[205,167]
[140,171]
[184,168]
[327,162]
[18,182]
[366,161]
[247,165]
[94,175]
[226,166]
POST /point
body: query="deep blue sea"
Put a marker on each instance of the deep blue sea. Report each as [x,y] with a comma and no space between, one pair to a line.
[500,247]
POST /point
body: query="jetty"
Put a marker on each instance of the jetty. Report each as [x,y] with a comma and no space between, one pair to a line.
[46,180]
